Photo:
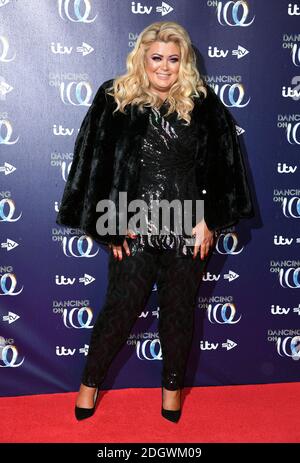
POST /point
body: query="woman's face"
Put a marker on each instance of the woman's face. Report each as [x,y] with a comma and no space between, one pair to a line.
[162,62]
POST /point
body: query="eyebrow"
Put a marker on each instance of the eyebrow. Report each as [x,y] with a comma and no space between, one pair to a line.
[162,55]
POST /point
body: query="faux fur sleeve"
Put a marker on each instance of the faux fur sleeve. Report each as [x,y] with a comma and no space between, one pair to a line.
[91,171]
[229,197]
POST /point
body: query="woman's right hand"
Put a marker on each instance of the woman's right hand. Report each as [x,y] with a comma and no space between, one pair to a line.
[117,250]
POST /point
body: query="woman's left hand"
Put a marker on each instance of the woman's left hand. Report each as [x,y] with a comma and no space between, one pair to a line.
[204,238]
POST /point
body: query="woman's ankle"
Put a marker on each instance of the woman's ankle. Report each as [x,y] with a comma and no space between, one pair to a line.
[85,396]
[171,400]
[87,388]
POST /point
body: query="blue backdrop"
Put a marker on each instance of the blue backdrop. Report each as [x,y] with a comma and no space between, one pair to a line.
[53,280]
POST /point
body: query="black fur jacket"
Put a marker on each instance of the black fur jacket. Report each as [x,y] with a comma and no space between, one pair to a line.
[104,163]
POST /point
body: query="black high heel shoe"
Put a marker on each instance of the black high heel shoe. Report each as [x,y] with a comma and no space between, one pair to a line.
[83,413]
[171,415]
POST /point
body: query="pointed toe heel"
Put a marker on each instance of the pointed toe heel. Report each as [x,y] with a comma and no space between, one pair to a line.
[83,413]
[171,415]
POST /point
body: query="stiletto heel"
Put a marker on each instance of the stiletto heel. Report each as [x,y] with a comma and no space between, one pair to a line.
[83,413]
[171,415]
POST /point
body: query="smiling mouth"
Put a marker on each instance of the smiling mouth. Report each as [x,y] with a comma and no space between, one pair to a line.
[163,75]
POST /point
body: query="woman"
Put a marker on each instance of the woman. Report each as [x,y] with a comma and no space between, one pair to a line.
[156,133]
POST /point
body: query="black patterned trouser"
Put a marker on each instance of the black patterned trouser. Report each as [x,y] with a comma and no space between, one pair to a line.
[130,282]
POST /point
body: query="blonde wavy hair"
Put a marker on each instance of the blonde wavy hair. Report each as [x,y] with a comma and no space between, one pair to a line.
[133,87]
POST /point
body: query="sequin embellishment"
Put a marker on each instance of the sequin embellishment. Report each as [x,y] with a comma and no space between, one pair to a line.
[166,172]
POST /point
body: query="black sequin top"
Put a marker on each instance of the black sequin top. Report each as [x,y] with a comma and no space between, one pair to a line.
[167,172]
